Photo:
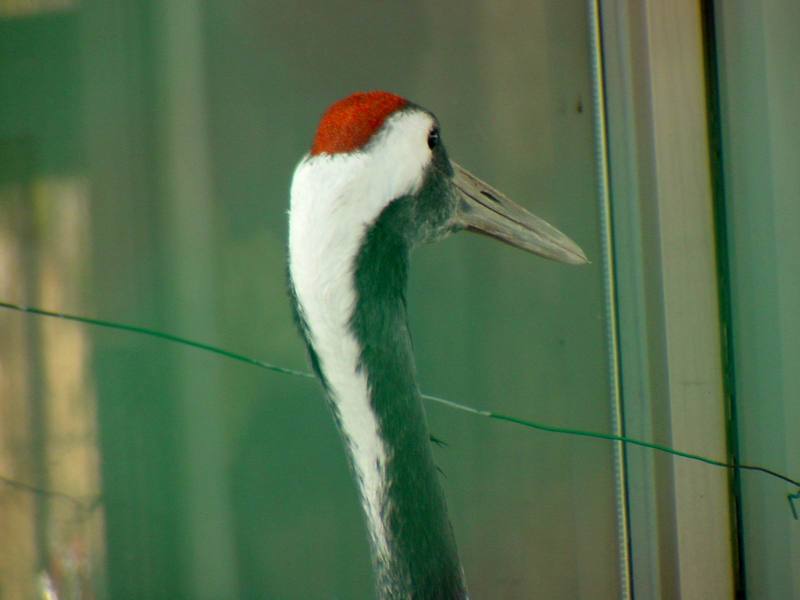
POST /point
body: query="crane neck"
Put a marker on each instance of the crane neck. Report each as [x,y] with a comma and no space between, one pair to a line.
[352,313]
[422,561]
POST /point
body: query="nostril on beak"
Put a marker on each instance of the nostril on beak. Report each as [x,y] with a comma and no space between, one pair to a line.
[490,196]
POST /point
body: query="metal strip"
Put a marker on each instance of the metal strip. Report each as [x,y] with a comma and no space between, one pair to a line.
[610,305]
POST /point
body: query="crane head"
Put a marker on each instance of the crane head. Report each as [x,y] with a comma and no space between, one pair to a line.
[376,152]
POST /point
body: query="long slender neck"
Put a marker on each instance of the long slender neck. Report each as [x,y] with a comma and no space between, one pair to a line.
[423,561]
[362,351]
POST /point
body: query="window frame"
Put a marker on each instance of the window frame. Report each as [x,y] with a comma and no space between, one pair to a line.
[666,289]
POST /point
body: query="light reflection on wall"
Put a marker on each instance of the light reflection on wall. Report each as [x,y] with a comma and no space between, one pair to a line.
[26,8]
[50,517]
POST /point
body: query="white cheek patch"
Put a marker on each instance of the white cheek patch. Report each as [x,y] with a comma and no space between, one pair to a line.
[334,200]
[401,152]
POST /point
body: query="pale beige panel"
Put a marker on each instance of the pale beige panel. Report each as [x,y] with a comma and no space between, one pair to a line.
[691,316]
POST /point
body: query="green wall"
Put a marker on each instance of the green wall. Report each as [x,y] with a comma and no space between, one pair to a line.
[181,124]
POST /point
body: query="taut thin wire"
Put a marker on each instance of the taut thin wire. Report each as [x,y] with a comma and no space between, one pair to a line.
[449,403]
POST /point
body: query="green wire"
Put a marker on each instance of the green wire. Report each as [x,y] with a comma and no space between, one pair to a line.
[157,334]
[483,413]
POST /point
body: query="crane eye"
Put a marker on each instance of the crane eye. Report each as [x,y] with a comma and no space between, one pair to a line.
[433,138]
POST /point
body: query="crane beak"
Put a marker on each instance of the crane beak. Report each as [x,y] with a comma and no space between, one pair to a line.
[483,209]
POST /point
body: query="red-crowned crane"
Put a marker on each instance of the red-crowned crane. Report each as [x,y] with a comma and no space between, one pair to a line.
[376,182]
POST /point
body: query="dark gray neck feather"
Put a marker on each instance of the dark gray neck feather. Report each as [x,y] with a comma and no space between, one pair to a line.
[423,561]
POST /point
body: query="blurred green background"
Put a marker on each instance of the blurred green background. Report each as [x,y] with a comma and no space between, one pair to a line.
[758,46]
[147,153]
[146,150]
